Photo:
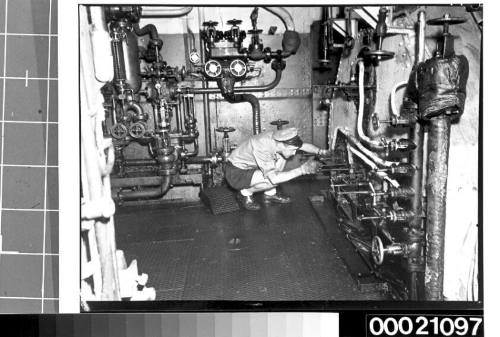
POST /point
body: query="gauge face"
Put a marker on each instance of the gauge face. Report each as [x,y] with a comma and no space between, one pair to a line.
[194,57]
[238,68]
[213,68]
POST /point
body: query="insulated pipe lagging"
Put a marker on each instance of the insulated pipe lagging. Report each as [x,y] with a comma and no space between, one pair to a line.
[164,11]
[371,143]
[151,193]
[437,178]
[254,102]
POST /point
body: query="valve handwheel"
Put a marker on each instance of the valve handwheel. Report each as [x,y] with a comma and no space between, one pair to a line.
[380,54]
[446,20]
[119,131]
[238,68]
[279,123]
[137,130]
[210,24]
[378,250]
[226,130]
[234,22]
[254,31]
[380,32]
[213,68]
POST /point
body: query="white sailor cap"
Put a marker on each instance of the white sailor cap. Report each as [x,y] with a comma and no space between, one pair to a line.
[285,134]
[289,136]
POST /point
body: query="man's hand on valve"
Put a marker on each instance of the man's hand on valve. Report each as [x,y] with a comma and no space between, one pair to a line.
[310,167]
[324,153]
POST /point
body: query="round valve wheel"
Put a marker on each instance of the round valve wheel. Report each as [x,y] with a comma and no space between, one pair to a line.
[377,250]
[238,68]
[379,54]
[234,22]
[213,68]
[119,131]
[252,31]
[446,20]
[210,24]
[279,123]
[137,130]
[225,129]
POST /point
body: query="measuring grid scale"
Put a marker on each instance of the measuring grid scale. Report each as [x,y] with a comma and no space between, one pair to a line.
[29,253]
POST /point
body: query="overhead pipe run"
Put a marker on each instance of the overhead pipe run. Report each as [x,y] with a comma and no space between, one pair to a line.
[164,11]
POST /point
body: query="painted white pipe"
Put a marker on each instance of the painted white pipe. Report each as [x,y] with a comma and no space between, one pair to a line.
[164,11]
[284,15]
[373,156]
[395,110]
[101,45]
[361,109]
[364,158]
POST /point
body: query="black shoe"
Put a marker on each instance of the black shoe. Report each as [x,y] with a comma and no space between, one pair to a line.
[277,198]
[248,202]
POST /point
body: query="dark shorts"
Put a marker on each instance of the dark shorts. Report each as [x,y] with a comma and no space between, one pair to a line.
[238,178]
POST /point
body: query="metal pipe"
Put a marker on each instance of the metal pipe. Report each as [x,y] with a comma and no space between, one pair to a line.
[377,145]
[134,106]
[206,103]
[421,37]
[149,29]
[256,88]
[254,102]
[140,162]
[417,159]
[164,11]
[373,156]
[394,109]
[149,193]
[437,177]
[284,15]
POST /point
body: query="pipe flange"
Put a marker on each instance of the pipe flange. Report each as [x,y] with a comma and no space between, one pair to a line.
[119,131]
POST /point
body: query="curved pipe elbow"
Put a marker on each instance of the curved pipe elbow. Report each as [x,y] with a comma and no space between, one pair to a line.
[149,193]
[254,102]
[149,29]
[164,12]
[135,107]
[284,15]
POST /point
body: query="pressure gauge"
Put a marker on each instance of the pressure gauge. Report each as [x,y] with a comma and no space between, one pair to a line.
[194,57]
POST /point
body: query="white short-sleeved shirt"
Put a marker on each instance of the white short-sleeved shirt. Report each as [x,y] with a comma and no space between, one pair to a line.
[258,152]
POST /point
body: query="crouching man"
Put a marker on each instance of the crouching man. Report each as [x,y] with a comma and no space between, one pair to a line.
[257,165]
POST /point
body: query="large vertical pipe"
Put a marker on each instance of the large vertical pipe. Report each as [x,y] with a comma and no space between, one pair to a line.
[206,103]
[417,159]
[437,178]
